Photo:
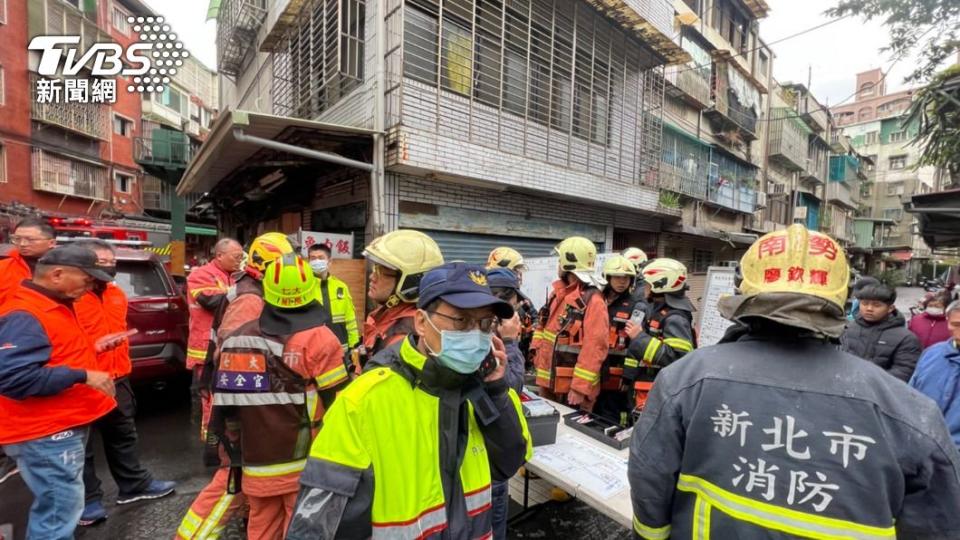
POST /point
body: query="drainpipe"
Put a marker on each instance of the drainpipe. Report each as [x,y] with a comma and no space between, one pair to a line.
[377,183]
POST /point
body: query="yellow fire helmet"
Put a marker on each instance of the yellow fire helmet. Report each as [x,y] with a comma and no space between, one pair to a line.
[796,260]
[505,257]
[289,283]
[636,256]
[618,265]
[267,248]
[665,275]
[577,255]
[411,253]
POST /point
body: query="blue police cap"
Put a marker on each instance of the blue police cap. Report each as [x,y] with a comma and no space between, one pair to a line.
[463,286]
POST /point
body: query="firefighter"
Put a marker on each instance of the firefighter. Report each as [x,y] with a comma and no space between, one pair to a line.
[32,238]
[639,259]
[570,342]
[511,259]
[776,433]
[213,507]
[335,296]
[410,448]
[276,376]
[207,288]
[399,259]
[613,402]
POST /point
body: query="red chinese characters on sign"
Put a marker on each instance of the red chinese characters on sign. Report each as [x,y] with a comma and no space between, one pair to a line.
[771,275]
[818,277]
[795,273]
[343,247]
[775,245]
[821,245]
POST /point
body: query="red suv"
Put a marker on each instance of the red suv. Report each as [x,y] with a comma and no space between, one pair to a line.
[158,310]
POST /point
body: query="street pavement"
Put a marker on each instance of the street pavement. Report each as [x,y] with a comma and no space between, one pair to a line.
[171,449]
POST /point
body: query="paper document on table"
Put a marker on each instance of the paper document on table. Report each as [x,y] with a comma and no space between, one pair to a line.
[592,470]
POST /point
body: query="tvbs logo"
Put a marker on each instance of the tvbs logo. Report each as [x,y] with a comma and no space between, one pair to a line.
[150,62]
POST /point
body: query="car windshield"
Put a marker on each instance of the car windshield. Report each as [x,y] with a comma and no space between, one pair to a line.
[141,279]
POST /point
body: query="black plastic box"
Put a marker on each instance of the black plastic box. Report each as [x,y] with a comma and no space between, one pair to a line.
[595,429]
[543,429]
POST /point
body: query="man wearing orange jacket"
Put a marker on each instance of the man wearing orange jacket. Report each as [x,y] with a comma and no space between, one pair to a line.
[399,259]
[103,311]
[571,339]
[214,506]
[50,386]
[33,237]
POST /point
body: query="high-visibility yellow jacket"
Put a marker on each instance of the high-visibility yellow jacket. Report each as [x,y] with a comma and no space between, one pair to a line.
[335,294]
[385,463]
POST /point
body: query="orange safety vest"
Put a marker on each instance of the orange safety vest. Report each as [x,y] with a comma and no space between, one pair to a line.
[208,279]
[14,270]
[40,416]
[104,314]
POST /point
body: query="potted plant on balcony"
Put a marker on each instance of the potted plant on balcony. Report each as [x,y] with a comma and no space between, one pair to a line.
[669,199]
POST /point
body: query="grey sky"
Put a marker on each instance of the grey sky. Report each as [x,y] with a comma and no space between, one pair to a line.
[835,53]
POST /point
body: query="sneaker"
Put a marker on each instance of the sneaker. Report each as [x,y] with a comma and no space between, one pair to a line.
[93,513]
[156,489]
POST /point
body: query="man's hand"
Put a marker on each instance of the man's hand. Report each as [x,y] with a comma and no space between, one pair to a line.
[510,328]
[633,330]
[500,353]
[575,398]
[102,381]
[112,341]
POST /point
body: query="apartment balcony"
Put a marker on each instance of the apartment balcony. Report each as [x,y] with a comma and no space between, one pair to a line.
[676,179]
[237,25]
[89,119]
[168,152]
[688,84]
[814,172]
[58,174]
[788,141]
[157,193]
[839,193]
[733,197]
[729,116]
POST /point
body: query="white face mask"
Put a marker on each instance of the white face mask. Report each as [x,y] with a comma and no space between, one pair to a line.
[935,311]
[319,266]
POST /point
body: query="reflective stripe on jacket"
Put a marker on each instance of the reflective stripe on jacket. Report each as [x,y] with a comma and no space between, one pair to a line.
[207,280]
[780,434]
[335,292]
[398,458]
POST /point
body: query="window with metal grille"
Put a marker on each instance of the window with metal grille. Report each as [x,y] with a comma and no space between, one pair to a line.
[702,259]
[320,59]
[119,17]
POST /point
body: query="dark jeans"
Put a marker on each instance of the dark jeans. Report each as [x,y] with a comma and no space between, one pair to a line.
[500,508]
[119,436]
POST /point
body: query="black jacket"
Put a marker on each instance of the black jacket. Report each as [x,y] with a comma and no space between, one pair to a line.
[778,429]
[888,344]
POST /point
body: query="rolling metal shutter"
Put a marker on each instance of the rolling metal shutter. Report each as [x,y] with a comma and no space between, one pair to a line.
[474,248]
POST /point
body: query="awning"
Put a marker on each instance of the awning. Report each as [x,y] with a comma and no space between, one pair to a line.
[237,135]
[201,231]
[938,217]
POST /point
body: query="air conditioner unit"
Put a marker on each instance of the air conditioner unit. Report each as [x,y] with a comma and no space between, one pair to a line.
[800,212]
[761,200]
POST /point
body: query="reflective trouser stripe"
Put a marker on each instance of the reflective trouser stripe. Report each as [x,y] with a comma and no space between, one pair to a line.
[587,375]
[197,353]
[701,520]
[210,527]
[650,533]
[429,522]
[279,469]
[537,335]
[630,362]
[651,352]
[777,518]
[543,373]
[679,344]
[332,377]
[257,399]
[478,501]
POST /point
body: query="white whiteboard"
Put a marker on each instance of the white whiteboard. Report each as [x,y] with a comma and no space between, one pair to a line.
[712,325]
[541,273]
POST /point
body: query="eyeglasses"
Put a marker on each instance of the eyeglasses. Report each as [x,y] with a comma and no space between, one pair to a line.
[382,272]
[463,324]
[17,240]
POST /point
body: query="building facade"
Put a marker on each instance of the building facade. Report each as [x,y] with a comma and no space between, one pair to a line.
[874,123]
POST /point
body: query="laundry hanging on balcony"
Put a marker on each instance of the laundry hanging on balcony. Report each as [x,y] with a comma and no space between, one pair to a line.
[747,95]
